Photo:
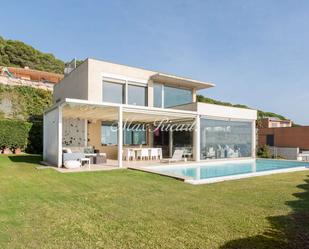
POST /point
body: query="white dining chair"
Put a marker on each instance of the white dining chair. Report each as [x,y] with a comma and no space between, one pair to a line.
[154,153]
[143,154]
[128,154]
[160,153]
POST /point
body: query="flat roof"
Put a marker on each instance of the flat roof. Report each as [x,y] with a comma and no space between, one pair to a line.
[169,78]
[177,80]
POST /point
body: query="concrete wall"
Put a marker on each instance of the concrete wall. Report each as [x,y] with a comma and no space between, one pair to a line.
[52,137]
[226,112]
[286,137]
[74,85]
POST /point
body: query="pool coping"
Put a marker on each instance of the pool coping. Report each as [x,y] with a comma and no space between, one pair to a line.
[144,169]
[190,180]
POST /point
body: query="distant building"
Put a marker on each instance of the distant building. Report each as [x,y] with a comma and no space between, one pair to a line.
[280,133]
[30,74]
[275,123]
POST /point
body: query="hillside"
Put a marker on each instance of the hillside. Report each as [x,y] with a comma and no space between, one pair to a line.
[18,54]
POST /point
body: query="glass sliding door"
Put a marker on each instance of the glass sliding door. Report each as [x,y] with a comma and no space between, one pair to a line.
[225,139]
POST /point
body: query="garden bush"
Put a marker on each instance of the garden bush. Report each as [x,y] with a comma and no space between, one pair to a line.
[14,134]
[264,152]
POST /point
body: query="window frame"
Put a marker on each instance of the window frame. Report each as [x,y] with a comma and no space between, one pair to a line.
[110,124]
[130,83]
[132,137]
[163,93]
[124,97]
[125,90]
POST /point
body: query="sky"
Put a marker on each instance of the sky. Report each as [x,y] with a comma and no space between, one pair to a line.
[256,52]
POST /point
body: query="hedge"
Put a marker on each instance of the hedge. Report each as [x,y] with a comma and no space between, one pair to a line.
[14,134]
[35,140]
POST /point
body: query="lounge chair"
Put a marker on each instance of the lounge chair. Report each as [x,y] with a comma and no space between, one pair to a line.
[75,159]
[177,156]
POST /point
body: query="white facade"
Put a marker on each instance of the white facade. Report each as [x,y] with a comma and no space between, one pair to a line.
[84,87]
[52,137]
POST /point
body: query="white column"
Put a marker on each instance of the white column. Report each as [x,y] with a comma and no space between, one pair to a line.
[196,139]
[170,145]
[59,136]
[120,136]
[253,139]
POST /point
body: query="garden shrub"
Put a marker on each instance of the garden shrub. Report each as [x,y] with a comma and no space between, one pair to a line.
[27,104]
[14,134]
[264,152]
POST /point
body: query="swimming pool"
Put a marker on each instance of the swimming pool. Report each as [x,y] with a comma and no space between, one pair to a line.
[220,171]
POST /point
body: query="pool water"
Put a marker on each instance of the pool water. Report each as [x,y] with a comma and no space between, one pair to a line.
[222,169]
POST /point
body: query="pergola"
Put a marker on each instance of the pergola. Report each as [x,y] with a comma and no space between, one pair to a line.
[83,109]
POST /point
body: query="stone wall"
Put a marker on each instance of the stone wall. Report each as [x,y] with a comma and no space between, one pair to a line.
[21,82]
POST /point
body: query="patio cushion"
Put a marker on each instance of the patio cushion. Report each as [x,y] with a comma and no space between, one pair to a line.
[72,164]
[72,156]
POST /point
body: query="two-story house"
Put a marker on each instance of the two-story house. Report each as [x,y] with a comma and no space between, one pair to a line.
[98,95]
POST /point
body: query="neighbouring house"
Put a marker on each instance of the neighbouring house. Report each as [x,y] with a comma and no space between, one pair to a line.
[31,74]
[98,96]
[14,76]
[284,139]
[274,123]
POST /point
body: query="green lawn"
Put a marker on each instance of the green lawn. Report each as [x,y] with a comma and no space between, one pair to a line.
[130,209]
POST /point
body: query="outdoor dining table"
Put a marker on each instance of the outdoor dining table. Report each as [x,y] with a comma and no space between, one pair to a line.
[135,150]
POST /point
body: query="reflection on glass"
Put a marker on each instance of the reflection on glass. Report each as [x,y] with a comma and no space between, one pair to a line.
[139,137]
[225,139]
[108,134]
[134,137]
[113,92]
[157,95]
[137,95]
[176,96]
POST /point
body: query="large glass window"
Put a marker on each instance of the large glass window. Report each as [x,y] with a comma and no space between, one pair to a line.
[225,139]
[171,96]
[157,95]
[109,134]
[176,96]
[134,137]
[137,95]
[113,92]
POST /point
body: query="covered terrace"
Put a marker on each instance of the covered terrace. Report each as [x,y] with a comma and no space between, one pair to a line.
[91,114]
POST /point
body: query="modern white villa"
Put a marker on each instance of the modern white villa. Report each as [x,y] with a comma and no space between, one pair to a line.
[128,114]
